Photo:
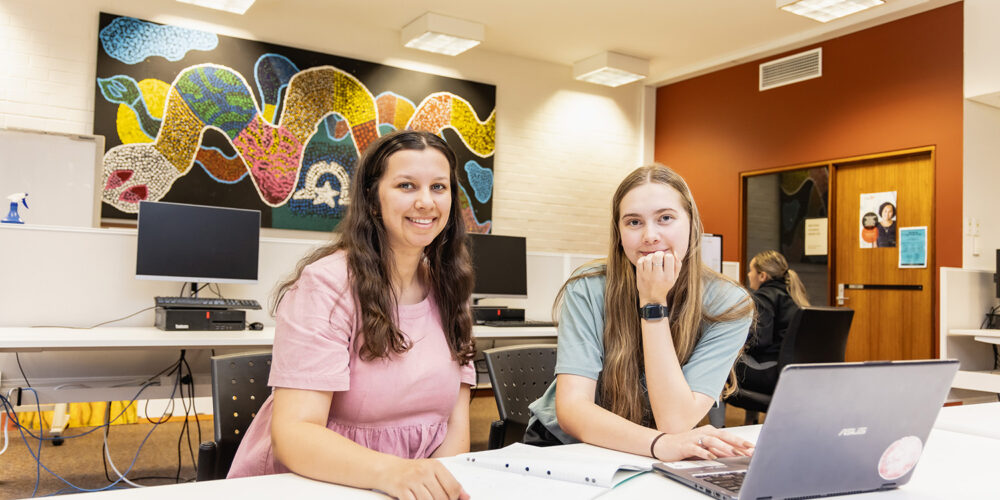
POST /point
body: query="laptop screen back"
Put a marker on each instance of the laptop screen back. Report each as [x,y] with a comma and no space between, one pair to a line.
[840,428]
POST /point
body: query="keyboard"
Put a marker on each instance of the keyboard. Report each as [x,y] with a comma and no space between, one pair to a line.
[731,481]
[518,323]
[205,303]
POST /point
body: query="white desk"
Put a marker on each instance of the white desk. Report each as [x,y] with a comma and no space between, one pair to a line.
[977,371]
[954,465]
[513,332]
[986,336]
[67,365]
[24,339]
[977,419]
[273,487]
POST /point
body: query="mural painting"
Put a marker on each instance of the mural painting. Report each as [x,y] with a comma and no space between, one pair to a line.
[195,117]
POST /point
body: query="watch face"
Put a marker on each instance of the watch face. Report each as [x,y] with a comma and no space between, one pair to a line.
[653,311]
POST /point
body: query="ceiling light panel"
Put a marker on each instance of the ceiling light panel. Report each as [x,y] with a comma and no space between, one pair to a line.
[826,10]
[442,34]
[234,6]
[611,69]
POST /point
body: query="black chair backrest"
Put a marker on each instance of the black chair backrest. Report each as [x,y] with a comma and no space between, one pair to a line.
[816,335]
[239,388]
[520,374]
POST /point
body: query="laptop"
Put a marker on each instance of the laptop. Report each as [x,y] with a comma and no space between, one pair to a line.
[832,429]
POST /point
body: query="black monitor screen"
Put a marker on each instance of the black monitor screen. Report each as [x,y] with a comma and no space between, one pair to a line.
[501,265]
[180,242]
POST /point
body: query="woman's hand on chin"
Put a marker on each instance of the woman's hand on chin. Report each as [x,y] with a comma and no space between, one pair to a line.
[655,276]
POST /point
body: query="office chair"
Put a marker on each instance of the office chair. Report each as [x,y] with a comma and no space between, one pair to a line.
[239,388]
[815,335]
[519,374]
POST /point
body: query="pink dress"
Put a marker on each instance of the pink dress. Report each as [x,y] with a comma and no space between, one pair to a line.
[398,405]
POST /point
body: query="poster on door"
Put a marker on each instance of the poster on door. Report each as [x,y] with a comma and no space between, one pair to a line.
[912,247]
[878,220]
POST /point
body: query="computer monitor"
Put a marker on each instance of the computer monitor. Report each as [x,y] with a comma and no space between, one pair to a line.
[179,242]
[500,264]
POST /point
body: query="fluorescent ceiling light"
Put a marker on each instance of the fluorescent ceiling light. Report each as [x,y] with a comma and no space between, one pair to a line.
[234,6]
[826,10]
[611,69]
[442,34]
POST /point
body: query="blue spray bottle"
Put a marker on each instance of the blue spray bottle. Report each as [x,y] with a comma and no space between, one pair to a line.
[12,216]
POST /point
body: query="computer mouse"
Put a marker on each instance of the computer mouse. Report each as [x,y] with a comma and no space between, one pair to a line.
[256,325]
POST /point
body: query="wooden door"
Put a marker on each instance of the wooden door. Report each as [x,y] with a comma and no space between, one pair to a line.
[888,323]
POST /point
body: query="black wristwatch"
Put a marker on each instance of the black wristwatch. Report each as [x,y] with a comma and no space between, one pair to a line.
[654,312]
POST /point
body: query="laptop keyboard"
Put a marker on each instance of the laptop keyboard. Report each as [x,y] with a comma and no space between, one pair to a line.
[731,481]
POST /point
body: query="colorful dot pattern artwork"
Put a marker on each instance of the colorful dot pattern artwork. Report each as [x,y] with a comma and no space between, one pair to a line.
[294,133]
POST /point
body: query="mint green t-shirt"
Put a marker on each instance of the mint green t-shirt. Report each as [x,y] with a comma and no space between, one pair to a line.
[581,346]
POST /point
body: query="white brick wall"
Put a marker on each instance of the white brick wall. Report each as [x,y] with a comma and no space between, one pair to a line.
[562,146]
[49,51]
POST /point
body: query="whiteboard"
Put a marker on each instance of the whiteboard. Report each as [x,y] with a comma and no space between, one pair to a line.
[60,173]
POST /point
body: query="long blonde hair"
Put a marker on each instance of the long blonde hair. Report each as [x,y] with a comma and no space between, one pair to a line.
[618,387]
[775,266]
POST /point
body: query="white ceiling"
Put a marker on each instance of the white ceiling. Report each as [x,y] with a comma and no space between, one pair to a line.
[681,38]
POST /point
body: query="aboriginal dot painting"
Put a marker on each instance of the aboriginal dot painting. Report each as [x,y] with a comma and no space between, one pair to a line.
[194,117]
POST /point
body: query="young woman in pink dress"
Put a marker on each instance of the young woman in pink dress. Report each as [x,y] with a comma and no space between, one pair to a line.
[373,343]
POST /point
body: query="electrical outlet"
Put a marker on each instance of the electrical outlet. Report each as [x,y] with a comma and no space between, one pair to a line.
[972,231]
[972,226]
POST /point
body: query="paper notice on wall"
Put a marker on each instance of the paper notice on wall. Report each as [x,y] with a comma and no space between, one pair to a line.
[816,236]
[913,247]
[711,251]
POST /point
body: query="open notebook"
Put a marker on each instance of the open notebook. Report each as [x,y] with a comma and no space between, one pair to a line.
[573,471]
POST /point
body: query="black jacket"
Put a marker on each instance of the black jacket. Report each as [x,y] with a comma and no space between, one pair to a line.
[775,309]
[886,235]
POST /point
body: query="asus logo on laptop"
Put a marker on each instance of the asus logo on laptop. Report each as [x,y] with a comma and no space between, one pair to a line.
[853,431]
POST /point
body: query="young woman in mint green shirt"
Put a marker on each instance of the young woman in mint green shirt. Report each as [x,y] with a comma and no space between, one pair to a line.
[647,336]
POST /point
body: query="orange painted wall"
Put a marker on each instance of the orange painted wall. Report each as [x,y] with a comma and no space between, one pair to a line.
[891,87]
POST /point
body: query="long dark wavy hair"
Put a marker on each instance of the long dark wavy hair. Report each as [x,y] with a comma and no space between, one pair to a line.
[446,269]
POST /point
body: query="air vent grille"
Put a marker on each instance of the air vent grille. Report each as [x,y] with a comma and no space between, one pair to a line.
[794,68]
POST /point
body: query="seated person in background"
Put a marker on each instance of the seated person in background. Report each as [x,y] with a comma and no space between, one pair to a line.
[373,344]
[647,336]
[778,293]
